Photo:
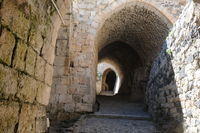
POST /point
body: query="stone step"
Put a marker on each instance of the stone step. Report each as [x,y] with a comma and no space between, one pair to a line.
[60,130]
[119,116]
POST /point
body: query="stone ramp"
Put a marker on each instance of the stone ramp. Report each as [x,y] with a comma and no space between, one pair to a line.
[115,115]
[113,124]
[118,116]
[108,124]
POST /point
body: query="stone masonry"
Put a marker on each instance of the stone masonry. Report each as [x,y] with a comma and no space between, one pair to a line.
[28,30]
[48,68]
[173,88]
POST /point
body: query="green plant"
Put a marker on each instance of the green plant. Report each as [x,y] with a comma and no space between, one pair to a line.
[169,52]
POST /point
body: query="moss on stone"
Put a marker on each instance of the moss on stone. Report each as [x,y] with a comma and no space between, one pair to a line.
[7,44]
[14,19]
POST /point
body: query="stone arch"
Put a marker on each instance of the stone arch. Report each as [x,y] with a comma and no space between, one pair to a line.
[143,27]
[106,13]
[101,18]
[98,17]
[105,86]
[104,66]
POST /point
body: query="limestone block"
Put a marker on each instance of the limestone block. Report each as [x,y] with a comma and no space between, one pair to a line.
[81,107]
[48,74]
[77,98]
[14,19]
[7,43]
[27,88]
[43,94]
[64,80]
[87,99]
[62,47]
[48,53]
[83,90]
[72,91]
[30,61]
[27,121]
[61,89]
[61,71]
[65,98]
[35,39]
[8,116]
[61,61]
[40,68]
[63,33]
[69,107]
[8,82]
[19,59]
[41,125]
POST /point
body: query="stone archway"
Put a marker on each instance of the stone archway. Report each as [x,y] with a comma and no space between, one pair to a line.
[108,80]
[104,67]
[129,29]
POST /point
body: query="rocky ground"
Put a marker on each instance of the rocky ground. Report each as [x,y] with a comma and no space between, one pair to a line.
[115,115]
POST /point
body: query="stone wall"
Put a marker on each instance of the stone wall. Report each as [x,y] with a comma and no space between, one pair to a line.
[28,31]
[61,99]
[173,89]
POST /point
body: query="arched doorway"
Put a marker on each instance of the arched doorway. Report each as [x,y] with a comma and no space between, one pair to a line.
[109,80]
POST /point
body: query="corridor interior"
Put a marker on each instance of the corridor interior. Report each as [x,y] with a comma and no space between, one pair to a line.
[99,66]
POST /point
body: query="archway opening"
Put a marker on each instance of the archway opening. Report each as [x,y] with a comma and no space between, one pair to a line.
[111,79]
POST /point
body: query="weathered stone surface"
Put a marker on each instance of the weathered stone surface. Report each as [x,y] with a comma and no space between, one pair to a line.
[177,76]
[48,74]
[8,82]
[35,39]
[32,119]
[27,88]
[7,44]
[43,94]
[19,59]
[48,53]
[145,22]
[9,116]
[61,61]
[27,119]
[41,125]
[24,28]
[62,48]
[63,33]
[30,61]
[40,68]
[81,107]
[14,19]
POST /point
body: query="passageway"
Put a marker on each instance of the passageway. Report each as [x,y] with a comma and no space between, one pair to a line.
[128,41]
[99,66]
[132,38]
[110,80]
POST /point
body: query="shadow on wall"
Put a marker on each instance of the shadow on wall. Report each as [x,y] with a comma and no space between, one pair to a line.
[162,95]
